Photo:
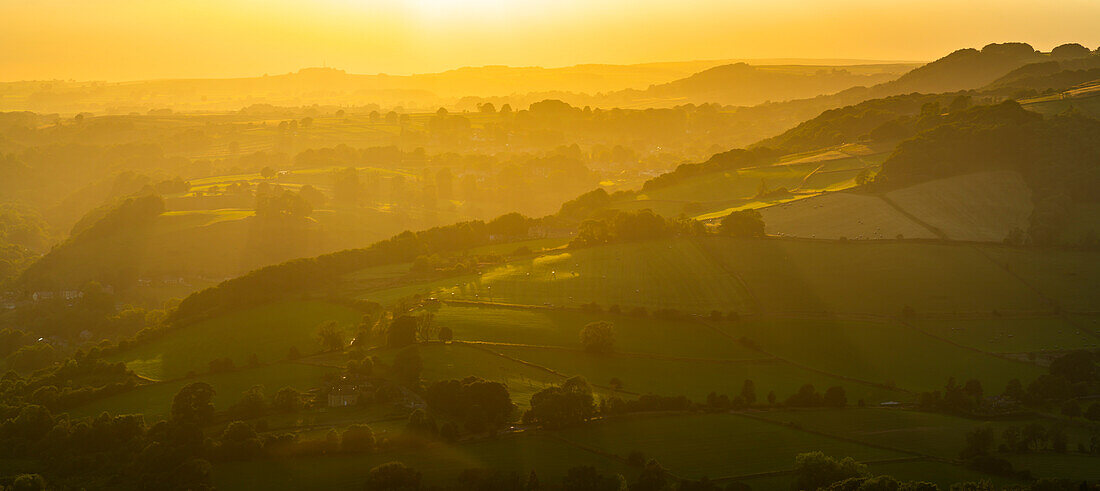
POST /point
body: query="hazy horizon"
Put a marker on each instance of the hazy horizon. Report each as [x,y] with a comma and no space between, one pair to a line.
[124,40]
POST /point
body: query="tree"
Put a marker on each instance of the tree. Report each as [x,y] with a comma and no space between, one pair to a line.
[267,172]
[1076,366]
[393,476]
[598,337]
[748,392]
[815,470]
[239,441]
[287,400]
[558,406]
[332,338]
[445,334]
[252,403]
[407,365]
[192,404]
[979,441]
[402,332]
[357,438]
[835,397]
[653,477]
[744,223]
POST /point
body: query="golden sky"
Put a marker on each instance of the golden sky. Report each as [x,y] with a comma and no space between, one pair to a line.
[142,39]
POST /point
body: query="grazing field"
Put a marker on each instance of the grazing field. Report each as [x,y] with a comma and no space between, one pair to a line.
[439,464]
[456,361]
[154,400]
[885,353]
[1011,335]
[268,332]
[714,445]
[1074,466]
[693,378]
[841,214]
[1066,277]
[653,274]
[980,207]
[932,434]
[687,338]
[179,220]
[871,277]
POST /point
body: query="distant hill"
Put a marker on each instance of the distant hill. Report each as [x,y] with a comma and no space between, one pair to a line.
[741,84]
[329,86]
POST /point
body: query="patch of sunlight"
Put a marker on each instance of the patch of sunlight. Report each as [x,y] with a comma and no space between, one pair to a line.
[501,272]
[151,368]
[551,260]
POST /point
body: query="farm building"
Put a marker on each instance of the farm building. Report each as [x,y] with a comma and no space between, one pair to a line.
[343,395]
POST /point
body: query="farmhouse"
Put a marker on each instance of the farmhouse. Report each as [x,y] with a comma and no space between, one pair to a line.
[343,395]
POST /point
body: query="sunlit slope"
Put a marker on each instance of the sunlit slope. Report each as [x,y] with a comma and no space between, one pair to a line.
[716,194]
[980,207]
[843,214]
[673,274]
[777,275]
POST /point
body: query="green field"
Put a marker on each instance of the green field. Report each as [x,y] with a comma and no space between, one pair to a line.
[885,353]
[692,378]
[871,277]
[544,327]
[1011,335]
[439,464]
[154,400]
[1066,277]
[656,274]
[1074,466]
[455,361]
[932,434]
[714,445]
[268,332]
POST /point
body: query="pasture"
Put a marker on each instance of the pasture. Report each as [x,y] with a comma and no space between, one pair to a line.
[155,400]
[885,353]
[871,277]
[842,214]
[980,207]
[713,445]
[457,361]
[439,464]
[653,274]
[692,378]
[268,331]
[1011,335]
[930,434]
[557,328]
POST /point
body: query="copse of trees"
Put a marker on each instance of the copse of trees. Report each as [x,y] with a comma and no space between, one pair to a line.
[479,404]
[598,337]
[560,406]
[624,226]
[744,223]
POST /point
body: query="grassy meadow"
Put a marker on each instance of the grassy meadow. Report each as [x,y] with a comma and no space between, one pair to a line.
[268,332]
